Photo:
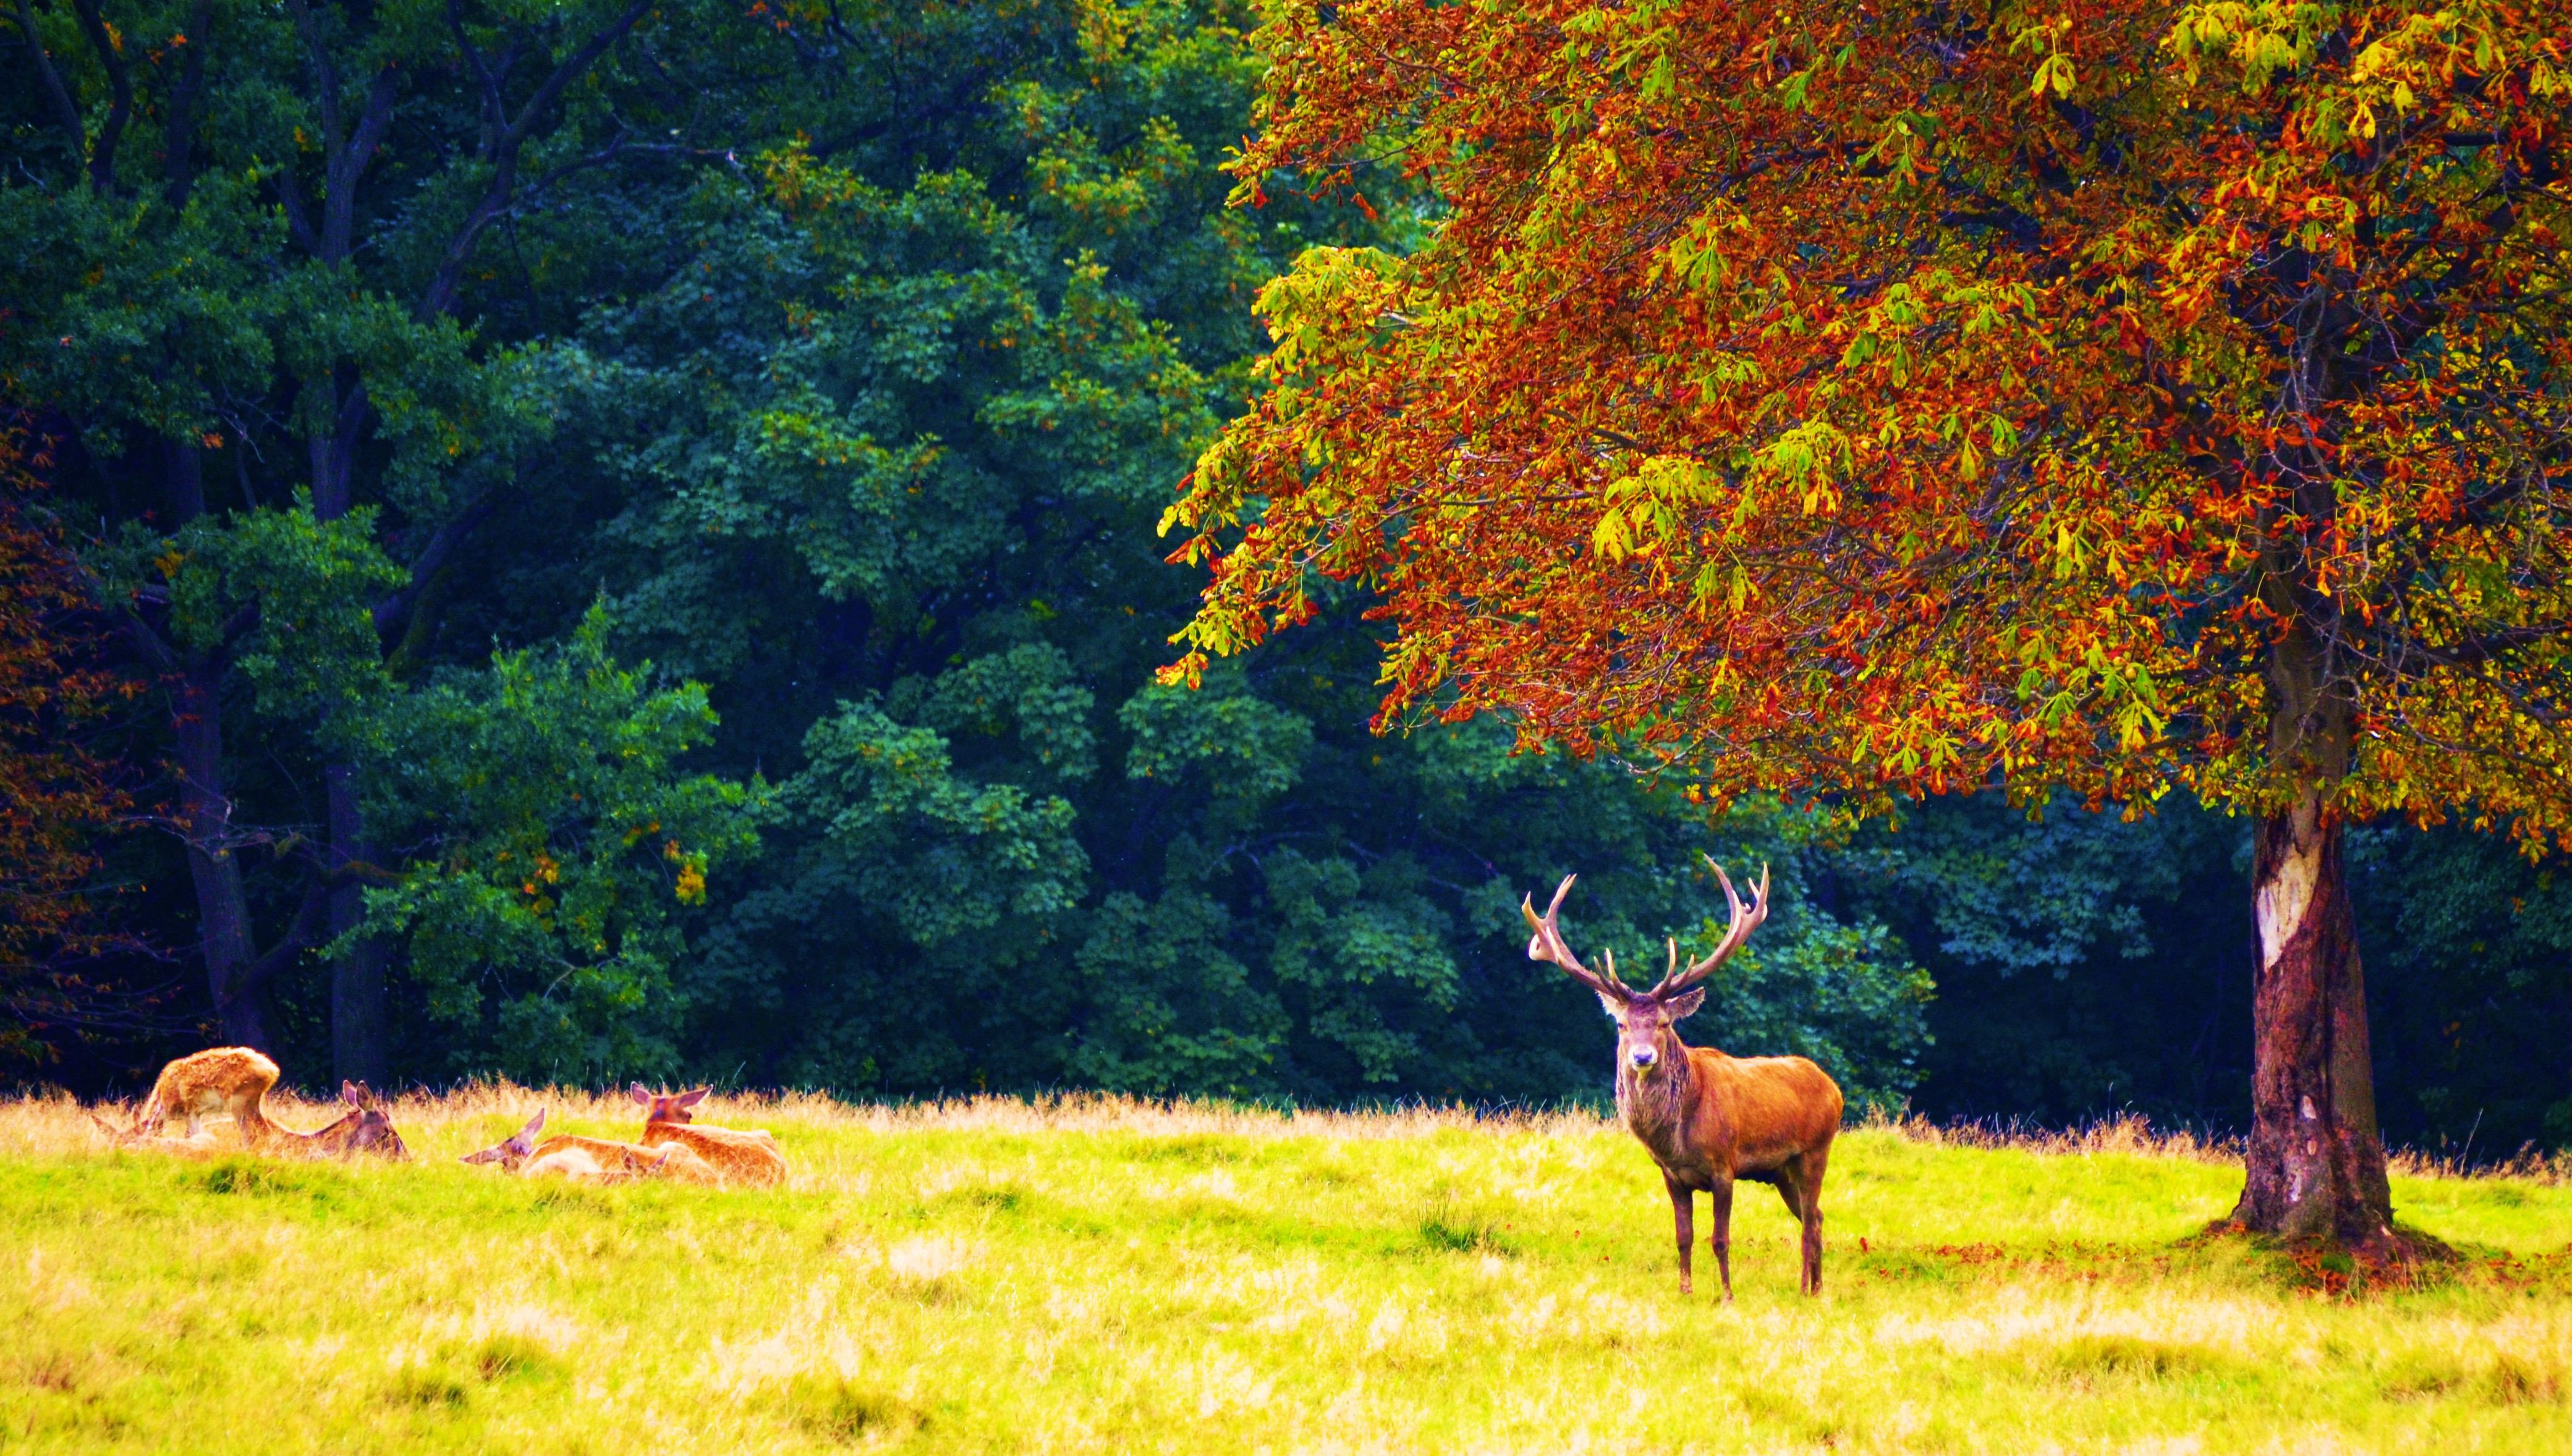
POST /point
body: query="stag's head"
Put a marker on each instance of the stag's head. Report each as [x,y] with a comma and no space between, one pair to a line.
[1647,1019]
[520,1145]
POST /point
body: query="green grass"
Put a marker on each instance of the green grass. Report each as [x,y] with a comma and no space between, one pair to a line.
[1101,1276]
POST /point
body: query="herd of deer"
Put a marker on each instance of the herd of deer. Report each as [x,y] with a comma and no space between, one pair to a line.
[1709,1120]
[235,1080]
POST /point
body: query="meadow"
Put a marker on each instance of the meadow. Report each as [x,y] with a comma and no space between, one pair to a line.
[1102,1275]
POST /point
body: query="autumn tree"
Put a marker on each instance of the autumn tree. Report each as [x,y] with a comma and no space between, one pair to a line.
[57,797]
[1871,400]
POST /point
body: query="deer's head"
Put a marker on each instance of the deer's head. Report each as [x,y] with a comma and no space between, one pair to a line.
[374,1129]
[669,1107]
[1646,1020]
[519,1147]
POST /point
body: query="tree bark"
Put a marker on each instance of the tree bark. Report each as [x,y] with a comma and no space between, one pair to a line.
[205,817]
[2315,1164]
[358,1020]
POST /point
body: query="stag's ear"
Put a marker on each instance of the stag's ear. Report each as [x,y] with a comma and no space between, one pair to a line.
[1614,1008]
[693,1097]
[1685,1005]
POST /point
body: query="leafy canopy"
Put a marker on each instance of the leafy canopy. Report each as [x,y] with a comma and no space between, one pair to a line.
[1893,398]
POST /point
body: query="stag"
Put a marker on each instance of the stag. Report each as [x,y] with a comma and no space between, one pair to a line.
[1708,1119]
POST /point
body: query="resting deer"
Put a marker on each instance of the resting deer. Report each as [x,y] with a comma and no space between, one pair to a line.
[236,1081]
[566,1155]
[750,1156]
[364,1128]
[1708,1119]
[194,1145]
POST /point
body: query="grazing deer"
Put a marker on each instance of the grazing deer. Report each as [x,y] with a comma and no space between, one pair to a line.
[236,1081]
[750,1156]
[1708,1119]
[596,1159]
[230,1081]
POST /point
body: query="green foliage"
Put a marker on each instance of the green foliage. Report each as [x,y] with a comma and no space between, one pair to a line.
[556,849]
[2469,964]
[293,595]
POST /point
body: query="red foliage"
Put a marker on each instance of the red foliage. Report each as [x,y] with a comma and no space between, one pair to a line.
[1891,398]
[55,797]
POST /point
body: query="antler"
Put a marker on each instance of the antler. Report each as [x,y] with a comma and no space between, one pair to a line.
[1744,920]
[1546,944]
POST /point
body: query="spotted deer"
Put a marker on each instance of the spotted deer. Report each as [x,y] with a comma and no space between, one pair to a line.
[749,1156]
[224,1081]
[593,1159]
[1708,1119]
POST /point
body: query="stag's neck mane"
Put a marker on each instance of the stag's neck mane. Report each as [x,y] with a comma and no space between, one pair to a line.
[1655,1107]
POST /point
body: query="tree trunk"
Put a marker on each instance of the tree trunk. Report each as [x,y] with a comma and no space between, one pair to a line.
[357,1005]
[358,1009]
[2316,1164]
[205,817]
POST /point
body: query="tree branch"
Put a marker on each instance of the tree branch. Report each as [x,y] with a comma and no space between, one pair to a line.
[432,559]
[178,135]
[310,916]
[443,286]
[65,115]
[101,155]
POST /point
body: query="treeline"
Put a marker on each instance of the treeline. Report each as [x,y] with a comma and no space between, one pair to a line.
[626,536]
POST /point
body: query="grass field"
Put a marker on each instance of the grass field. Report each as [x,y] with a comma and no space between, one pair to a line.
[1106,1277]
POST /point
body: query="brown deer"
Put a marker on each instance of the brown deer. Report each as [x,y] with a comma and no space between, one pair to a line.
[1708,1119]
[194,1145]
[226,1081]
[596,1159]
[365,1128]
[236,1081]
[750,1156]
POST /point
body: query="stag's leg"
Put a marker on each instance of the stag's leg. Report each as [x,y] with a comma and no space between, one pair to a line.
[1721,1196]
[1684,1217]
[1800,1183]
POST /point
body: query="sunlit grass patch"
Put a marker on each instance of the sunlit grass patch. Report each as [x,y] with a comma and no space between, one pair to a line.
[1094,1274]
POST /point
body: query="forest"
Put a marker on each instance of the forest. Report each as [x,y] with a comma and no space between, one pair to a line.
[618,541]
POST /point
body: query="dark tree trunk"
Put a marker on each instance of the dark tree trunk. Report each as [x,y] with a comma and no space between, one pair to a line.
[2315,1164]
[204,816]
[357,1007]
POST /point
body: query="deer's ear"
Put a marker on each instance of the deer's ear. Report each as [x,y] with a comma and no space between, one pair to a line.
[1614,1008]
[693,1097]
[640,1095]
[352,1094]
[534,1123]
[1685,1005]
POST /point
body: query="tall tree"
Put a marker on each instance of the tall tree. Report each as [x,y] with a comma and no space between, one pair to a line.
[1885,399]
[285,284]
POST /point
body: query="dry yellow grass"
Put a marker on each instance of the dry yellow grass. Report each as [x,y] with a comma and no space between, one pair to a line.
[1099,1275]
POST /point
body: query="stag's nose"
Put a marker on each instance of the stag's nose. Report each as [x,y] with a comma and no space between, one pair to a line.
[1644,1056]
